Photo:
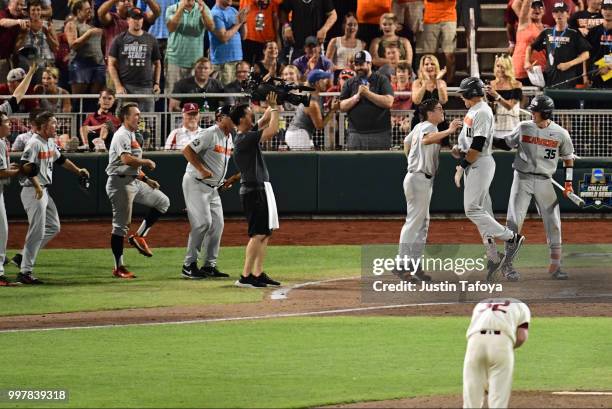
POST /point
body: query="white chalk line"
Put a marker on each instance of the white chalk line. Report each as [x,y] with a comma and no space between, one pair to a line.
[583,393]
[283,293]
[228,319]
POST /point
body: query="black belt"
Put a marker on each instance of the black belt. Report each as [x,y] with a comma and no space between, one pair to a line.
[210,186]
[125,176]
[423,173]
[490,332]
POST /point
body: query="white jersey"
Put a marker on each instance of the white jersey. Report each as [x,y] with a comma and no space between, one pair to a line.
[215,150]
[5,160]
[479,121]
[21,141]
[124,141]
[539,149]
[180,137]
[499,314]
[43,153]
[422,158]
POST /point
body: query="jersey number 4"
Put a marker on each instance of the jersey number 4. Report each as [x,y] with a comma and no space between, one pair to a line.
[550,154]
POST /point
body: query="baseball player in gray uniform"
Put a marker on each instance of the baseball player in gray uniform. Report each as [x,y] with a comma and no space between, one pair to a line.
[422,148]
[43,218]
[128,184]
[540,143]
[208,155]
[477,168]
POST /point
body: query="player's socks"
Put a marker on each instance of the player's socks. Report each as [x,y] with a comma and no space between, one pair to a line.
[148,222]
[555,258]
[117,247]
[492,253]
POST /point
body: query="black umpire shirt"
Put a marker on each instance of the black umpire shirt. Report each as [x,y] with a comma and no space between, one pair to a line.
[250,162]
[561,46]
[367,117]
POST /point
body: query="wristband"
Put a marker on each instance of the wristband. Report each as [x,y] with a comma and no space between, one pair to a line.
[464,163]
[569,173]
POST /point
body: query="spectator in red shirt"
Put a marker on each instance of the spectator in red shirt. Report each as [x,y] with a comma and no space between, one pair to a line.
[102,123]
[13,79]
[12,21]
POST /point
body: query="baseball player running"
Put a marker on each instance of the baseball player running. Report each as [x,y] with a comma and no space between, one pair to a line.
[208,155]
[43,218]
[422,148]
[498,327]
[540,143]
[127,184]
[477,168]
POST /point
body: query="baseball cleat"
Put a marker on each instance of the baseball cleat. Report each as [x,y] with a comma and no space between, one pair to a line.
[122,272]
[419,276]
[192,272]
[249,282]
[6,261]
[512,275]
[513,247]
[213,272]
[264,278]
[28,278]
[140,244]
[4,282]
[17,259]
[560,275]
[493,267]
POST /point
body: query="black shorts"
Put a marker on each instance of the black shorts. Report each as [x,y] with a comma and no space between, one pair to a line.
[255,206]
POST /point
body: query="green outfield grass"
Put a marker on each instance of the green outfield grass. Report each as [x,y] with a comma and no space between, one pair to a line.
[295,362]
[80,280]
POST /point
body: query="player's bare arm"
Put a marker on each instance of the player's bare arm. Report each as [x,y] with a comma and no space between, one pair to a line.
[568,164]
[71,167]
[196,162]
[436,137]
[521,336]
[132,161]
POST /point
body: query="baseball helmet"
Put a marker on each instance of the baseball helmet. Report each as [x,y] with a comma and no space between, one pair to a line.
[542,104]
[223,110]
[472,87]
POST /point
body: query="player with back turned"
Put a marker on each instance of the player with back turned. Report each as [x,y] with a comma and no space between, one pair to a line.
[477,168]
[540,144]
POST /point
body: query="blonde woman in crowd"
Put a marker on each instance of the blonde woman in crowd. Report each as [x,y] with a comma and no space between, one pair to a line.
[506,93]
[49,86]
[428,85]
[389,27]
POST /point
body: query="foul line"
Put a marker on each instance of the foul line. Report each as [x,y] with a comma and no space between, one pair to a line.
[213,320]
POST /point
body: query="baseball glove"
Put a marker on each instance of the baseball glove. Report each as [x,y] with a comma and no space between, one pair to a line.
[30,169]
[84,182]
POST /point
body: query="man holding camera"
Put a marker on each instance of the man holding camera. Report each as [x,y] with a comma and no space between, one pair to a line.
[367,98]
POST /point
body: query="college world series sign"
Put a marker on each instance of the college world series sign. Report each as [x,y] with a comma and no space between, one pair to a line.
[596,189]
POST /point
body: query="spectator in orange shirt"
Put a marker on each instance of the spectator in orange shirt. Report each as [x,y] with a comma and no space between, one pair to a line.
[440,29]
[262,27]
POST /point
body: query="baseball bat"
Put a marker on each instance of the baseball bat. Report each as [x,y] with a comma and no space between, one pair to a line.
[577,200]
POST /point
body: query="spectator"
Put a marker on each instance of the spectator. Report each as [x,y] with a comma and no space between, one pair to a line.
[40,35]
[548,18]
[388,25]
[262,27]
[440,28]
[12,21]
[312,58]
[270,63]
[13,80]
[134,61]
[22,139]
[529,28]
[342,49]
[242,75]
[368,99]
[585,20]
[368,14]
[511,23]
[226,39]
[159,29]
[98,128]
[49,87]
[392,56]
[428,85]
[199,83]
[401,81]
[115,22]
[187,22]
[507,94]
[180,137]
[311,18]
[409,13]
[308,119]
[600,39]
[291,74]
[86,68]
[567,50]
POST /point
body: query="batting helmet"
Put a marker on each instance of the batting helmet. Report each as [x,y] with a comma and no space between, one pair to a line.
[223,110]
[472,87]
[542,104]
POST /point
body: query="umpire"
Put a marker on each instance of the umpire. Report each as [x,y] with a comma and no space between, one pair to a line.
[256,193]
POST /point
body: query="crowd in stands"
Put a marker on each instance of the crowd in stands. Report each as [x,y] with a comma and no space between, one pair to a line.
[115,48]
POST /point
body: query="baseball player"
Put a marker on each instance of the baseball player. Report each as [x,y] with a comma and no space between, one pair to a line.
[127,184]
[540,143]
[12,104]
[43,218]
[180,137]
[498,326]
[422,148]
[208,156]
[477,168]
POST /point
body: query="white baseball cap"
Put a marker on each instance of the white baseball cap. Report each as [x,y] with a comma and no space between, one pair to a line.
[16,74]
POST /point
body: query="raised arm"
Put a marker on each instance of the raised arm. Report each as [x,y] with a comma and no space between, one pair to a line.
[104,12]
[23,86]
[272,128]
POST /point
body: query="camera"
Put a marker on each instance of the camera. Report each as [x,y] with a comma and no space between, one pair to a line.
[258,90]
